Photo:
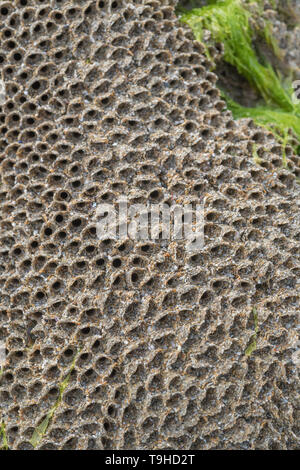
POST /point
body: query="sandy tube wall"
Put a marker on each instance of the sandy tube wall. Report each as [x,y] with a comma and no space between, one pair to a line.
[138,344]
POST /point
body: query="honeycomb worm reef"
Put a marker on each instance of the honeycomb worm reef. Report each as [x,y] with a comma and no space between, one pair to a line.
[113,97]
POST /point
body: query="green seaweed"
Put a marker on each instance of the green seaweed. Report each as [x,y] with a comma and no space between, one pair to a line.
[285,126]
[253,341]
[41,429]
[229,23]
[4,444]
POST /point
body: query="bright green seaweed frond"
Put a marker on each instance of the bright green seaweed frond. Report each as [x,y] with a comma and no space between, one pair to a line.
[42,428]
[279,122]
[3,437]
[229,22]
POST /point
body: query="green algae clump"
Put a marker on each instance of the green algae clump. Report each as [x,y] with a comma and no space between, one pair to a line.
[229,22]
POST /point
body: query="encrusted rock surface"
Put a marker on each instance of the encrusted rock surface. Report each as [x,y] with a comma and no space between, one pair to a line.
[109,98]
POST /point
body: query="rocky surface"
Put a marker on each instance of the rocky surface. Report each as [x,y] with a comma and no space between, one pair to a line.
[111,98]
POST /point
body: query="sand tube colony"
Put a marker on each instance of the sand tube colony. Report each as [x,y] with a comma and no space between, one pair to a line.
[134,344]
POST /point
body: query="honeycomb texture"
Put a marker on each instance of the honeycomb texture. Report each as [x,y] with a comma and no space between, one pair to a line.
[113,97]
